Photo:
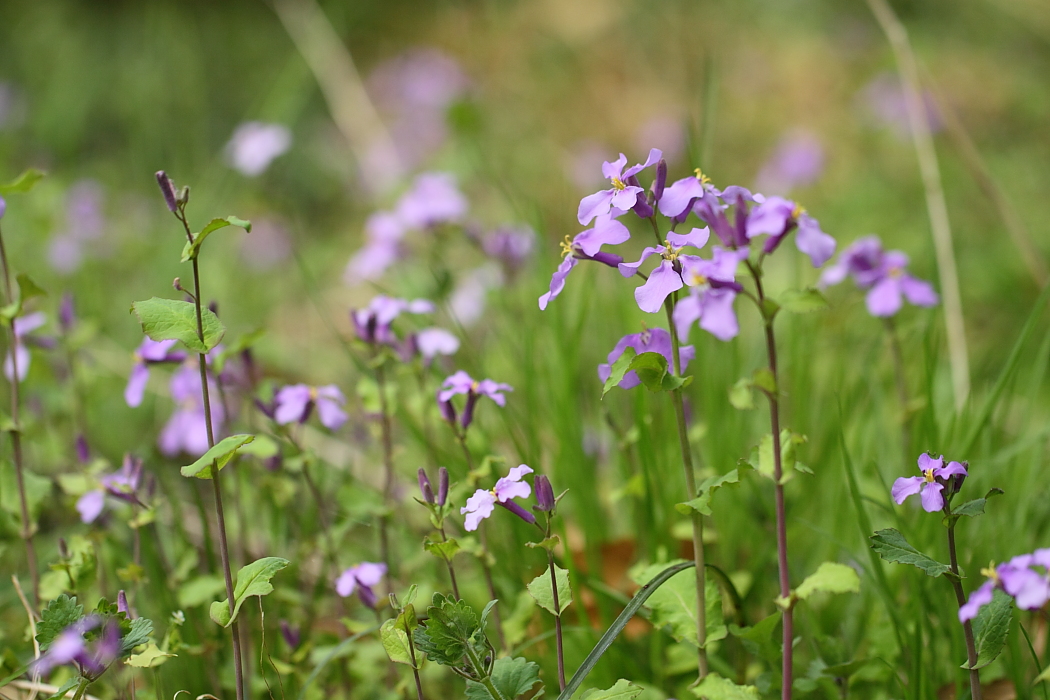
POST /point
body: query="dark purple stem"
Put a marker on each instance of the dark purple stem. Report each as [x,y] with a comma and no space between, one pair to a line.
[960,597]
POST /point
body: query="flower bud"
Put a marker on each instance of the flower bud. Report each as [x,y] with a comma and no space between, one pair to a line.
[442,486]
[661,179]
[177,284]
[544,493]
[167,188]
[424,486]
[291,635]
[184,195]
[448,411]
[83,453]
[122,603]
[63,550]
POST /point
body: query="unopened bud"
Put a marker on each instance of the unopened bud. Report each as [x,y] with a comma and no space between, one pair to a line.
[448,411]
[63,550]
[468,410]
[122,603]
[83,453]
[442,486]
[424,486]
[544,493]
[177,284]
[167,188]
[661,179]
[214,307]
[66,313]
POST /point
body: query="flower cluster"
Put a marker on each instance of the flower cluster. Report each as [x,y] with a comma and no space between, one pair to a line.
[1026,578]
[374,325]
[883,274]
[463,383]
[936,476]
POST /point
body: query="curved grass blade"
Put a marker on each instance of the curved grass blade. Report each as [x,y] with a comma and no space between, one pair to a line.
[617,626]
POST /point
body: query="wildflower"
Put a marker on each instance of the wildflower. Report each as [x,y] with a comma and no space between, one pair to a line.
[935,476]
[621,196]
[1029,587]
[649,340]
[544,494]
[712,291]
[71,647]
[680,196]
[3,207]
[427,489]
[167,188]
[254,145]
[462,383]
[467,302]
[667,277]
[84,224]
[383,233]
[587,246]
[429,343]
[295,403]
[123,485]
[884,100]
[432,200]
[798,161]
[187,428]
[883,274]
[292,635]
[149,352]
[361,578]
[372,323]
[480,505]
[777,217]
[22,327]
[510,246]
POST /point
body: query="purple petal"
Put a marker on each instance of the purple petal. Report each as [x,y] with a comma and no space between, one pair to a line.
[927,461]
[371,261]
[291,402]
[478,507]
[346,583]
[458,383]
[697,238]
[918,292]
[155,350]
[718,317]
[136,387]
[436,341]
[932,500]
[662,282]
[981,596]
[655,155]
[594,205]
[884,299]
[770,217]
[90,506]
[953,469]
[687,312]
[24,325]
[906,486]
[558,280]
[492,389]
[22,357]
[330,413]
[614,170]
[810,240]
[626,198]
[629,269]
[679,196]
[606,231]
[369,574]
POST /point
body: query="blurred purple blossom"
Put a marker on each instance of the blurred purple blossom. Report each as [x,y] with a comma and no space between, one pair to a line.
[187,429]
[883,273]
[70,647]
[123,485]
[883,101]
[433,341]
[1020,578]
[23,326]
[797,161]
[383,234]
[462,383]
[663,131]
[254,145]
[85,223]
[295,403]
[649,340]
[372,323]
[149,352]
[361,578]
[468,299]
[481,504]
[510,246]
[432,200]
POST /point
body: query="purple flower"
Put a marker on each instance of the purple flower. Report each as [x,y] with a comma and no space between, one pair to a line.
[883,98]
[267,246]
[149,352]
[70,647]
[798,161]
[292,635]
[254,145]
[545,501]
[431,342]
[510,246]
[167,189]
[935,476]
[383,233]
[295,403]
[650,340]
[587,246]
[372,323]
[621,195]
[883,274]
[680,196]
[462,383]
[187,428]
[667,277]
[3,207]
[1026,578]
[481,504]
[712,291]
[361,578]
[23,326]
[467,302]
[432,200]
[777,217]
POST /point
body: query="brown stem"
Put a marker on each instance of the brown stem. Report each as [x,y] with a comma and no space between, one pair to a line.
[960,597]
[557,618]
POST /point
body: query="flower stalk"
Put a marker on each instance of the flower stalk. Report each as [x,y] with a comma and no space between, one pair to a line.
[388,472]
[960,597]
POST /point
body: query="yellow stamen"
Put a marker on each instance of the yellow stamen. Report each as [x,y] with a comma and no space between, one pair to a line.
[704,179]
[696,279]
[618,184]
[798,211]
[990,572]
[895,272]
[566,246]
[474,386]
[929,476]
[313,394]
[670,252]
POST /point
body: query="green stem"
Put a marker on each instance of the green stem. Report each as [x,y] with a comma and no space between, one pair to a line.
[81,688]
[388,478]
[557,617]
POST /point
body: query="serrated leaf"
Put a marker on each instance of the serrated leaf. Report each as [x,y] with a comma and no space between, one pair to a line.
[170,319]
[622,690]
[221,454]
[542,592]
[192,250]
[702,503]
[830,577]
[22,183]
[395,642]
[59,614]
[511,678]
[991,627]
[442,550]
[972,509]
[891,546]
[741,396]
[252,580]
[451,628]
[150,657]
[803,301]
[674,603]
[140,630]
[619,369]
[714,687]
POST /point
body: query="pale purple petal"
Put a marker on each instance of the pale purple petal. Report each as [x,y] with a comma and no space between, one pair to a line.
[614,170]
[655,154]
[90,506]
[478,507]
[718,317]
[436,341]
[22,357]
[606,231]
[433,199]
[629,269]
[981,596]
[884,299]
[906,486]
[136,387]
[346,583]
[697,238]
[330,412]
[813,242]
[558,280]
[1028,588]
[24,325]
[492,389]
[953,469]
[687,312]
[625,198]
[368,573]
[918,292]
[770,217]
[291,402]
[679,196]
[420,306]
[594,205]
[662,282]
[370,262]
[834,274]
[255,144]
[512,486]
[155,350]
[458,383]
[927,461]
[932,500]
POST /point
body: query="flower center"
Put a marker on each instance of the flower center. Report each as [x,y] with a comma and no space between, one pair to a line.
[990,572]
[618,184]
[566,247]
[474,386]
[670,252]
[696,279]
[704,179]
[928,474]
[313,394]
[798,211]
[895,272]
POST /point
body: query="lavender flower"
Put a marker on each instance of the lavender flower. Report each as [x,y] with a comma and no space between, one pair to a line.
[712,291]
[361,578]
[679,197]
[650,340]
[295,403]
[883,274]
[167,189]
[798,161]
[123,485]
[777,217]
[667,277]
[22,326]
[383,233]
[431,342]
[70,647]
[427,489]
[587,246]
[292,635]
[510,246]
[254,145]
[187,428]
[1029,586]
[432,200]
[372,323]
[935,476]
[621,195]
[462,383]
[481,504]
[149,352]
[468,299]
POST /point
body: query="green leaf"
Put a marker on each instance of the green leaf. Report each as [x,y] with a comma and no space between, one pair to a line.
[675,604]
[803,301]
[763,379]
[169,319]
[221,454]
[760,639]
[262,447]
[27,288]
[65,688]
[766,465]
[971,509]
[702,503]
[59,614]
[140,630]
[714,687]
[395,639]
[192,250]
[845,670]
[549,544]
[23,183]
[619,369]
[891,546]
[830,577]
[150,657]
[452,627]
[200,590]
[252,580]
[442,550]
[652,369]
[740,395]
[542,592]
[769,309]
[623,690]
[991,627]
[511,678]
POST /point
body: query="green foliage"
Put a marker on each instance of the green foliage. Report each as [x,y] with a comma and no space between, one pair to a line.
[252,580]
[150,657]
[674,604]
[830,577]
[651,368]
[137,634]
[891,546]
[442,550]
[991,627]
[714,687]
[622,690]
[803,301]
[23,183]
[220,455]
[740,395]
[511,678]
[972,509]
[59,614]
[542,592]
[452,632]
[27,289]
[169,319]
[760,639]
[191,250]
[394,635]
[702,503]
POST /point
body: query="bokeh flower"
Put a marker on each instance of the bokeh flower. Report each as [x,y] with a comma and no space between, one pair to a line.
[372,323]
[123,484]
[254,145]
[883,273]
[1026,578]
[149,352]
[23,326]
[361,578]
[187,429]
[462,383]
[295,403]
[432,200]
[797,161]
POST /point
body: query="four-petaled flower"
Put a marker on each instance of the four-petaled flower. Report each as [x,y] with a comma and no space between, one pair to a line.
[883,273]
[712,290]
[621,195]
[935,476]
[666,278]
[361,578]
[777,217]
[651,340]
[480,505]
[149,352]
[70,647]
[295,403]
[462,383]
[187,429]
[123,485]
[372,323]
[1029,587]
[587,246]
